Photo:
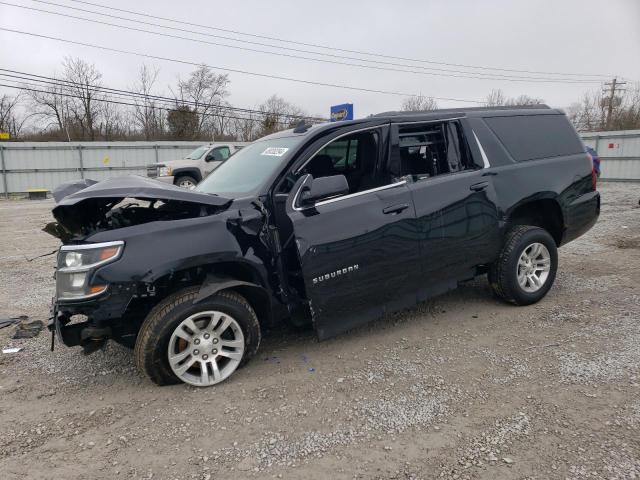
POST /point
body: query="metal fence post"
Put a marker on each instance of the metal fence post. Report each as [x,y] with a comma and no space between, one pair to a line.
[81,163]
[155,147]
[4,173]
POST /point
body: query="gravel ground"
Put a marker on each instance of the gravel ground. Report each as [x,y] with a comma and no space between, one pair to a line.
[461,387]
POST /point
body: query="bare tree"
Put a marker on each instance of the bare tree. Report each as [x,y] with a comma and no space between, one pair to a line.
[591,113]
[11,121]
[82,79]
[203,92]
[51,105]
[279,114]
[497,98]
[419,103]
[148,117]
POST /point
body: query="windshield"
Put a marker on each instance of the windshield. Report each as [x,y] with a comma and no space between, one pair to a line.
[249,169]
[197,153]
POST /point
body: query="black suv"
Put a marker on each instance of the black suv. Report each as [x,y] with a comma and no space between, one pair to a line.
[330,225]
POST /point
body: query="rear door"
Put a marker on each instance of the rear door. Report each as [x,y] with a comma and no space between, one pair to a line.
[456,211]
[358,252]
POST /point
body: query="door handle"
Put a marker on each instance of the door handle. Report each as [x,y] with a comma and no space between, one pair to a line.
[477,187]
[395,208]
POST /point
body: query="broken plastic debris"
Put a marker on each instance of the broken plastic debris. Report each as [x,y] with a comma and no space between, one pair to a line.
[26,329]
[11,350]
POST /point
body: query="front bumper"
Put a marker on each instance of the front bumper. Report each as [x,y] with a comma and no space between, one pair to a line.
[101,319]
[169,179]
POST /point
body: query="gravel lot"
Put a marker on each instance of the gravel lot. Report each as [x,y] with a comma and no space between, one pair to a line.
[462,387]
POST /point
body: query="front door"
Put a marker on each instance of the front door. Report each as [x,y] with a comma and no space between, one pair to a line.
[358,252]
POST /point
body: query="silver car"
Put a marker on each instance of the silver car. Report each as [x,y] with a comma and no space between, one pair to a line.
[190,170]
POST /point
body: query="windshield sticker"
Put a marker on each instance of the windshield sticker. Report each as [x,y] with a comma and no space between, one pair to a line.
[275,151]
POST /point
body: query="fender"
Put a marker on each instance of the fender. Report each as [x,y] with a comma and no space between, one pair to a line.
[191,171]
[215,283]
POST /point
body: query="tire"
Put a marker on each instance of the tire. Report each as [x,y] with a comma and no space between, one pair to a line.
[186,181]
[158,334]
[505,272]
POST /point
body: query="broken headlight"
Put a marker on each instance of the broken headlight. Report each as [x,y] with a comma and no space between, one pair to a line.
[164,171]
[75,265]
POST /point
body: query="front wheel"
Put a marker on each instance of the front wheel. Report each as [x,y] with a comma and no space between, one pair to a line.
[201,344]
[185,181]
[526,267]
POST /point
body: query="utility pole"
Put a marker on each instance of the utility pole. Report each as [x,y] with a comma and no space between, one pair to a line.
[611,98]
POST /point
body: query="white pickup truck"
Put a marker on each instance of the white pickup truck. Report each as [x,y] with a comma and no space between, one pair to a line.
[190,170]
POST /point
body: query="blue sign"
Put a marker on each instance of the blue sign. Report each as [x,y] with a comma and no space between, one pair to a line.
[342,112]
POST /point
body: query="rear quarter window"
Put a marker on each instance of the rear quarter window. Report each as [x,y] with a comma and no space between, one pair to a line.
[531,137]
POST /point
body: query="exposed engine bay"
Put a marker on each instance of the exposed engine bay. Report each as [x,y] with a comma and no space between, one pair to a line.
[124,202]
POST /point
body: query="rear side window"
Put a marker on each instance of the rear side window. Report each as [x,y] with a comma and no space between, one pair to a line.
[531,137]
[431,149]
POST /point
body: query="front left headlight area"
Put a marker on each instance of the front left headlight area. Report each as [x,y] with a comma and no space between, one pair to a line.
[164,171]
[76,264]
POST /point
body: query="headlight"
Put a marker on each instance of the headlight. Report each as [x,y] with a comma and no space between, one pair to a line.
[75,265]
[164,171]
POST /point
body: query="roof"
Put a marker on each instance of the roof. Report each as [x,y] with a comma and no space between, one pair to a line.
[423,115]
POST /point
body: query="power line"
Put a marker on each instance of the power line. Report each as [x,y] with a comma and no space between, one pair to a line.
[139,95]
[226,69]
[326,47]
[110,101]
[430,70]
[299,57]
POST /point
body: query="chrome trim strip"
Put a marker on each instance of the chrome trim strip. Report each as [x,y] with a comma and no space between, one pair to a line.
[351,195]
[87,246]
[485,160]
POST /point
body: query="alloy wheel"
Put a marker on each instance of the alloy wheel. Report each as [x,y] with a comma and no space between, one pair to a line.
[206,348]
[533,267]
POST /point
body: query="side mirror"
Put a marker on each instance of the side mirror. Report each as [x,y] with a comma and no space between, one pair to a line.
[210,157]
[323,188]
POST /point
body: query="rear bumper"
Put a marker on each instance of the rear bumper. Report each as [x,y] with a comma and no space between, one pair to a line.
[581,215]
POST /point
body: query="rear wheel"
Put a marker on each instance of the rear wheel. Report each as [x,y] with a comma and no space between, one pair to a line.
[200,344]
[526,267]
[185,181]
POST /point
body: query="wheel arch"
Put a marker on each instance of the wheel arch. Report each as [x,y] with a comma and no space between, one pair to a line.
[190,171]
[540,212]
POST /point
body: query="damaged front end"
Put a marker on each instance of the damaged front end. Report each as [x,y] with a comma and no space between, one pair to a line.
[122,239]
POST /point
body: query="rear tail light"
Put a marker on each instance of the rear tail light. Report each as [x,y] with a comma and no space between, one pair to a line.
[594,174]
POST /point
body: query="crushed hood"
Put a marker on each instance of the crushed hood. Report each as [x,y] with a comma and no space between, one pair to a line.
[83,206]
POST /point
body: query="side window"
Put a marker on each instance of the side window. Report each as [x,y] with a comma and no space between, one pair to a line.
[354,156]
[432,149]
[219,154]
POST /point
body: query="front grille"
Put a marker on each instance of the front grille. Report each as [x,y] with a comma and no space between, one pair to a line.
[152,171]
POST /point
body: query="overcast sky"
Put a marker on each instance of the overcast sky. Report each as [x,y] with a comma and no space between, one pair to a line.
[569,36]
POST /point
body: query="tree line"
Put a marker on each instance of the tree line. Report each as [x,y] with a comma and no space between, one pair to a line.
[75,105]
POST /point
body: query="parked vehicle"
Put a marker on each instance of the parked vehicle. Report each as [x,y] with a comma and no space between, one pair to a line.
[190,170]
[328,225]
[595,158]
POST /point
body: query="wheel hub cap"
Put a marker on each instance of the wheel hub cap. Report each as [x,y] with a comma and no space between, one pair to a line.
[533,267]
[206,348]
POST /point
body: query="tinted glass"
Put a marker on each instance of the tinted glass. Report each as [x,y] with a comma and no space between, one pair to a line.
[220,154]
[247,172]
[530,137]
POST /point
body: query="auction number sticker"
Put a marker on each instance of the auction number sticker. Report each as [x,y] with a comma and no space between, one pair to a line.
[275,151]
